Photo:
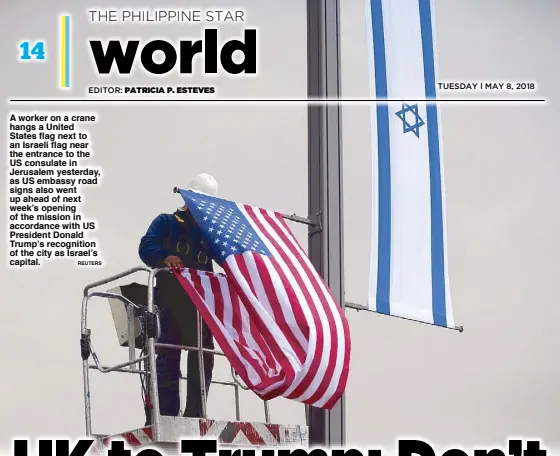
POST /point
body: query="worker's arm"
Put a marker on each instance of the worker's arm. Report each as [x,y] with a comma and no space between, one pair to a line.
[151,249]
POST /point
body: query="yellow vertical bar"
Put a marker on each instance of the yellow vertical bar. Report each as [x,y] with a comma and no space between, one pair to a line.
[63,57]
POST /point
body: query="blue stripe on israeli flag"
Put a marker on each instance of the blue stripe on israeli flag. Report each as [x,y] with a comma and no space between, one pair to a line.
[408,267]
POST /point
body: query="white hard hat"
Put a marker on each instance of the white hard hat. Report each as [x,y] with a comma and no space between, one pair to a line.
[204,183]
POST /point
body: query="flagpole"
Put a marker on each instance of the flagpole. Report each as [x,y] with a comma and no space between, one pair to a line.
[358,307]
[326,428]
[292,217]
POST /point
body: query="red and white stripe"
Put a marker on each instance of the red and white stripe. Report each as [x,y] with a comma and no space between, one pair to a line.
[174,429]
[275,318]
[135,438]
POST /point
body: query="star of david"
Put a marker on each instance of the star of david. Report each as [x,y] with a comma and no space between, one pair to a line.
[418,122]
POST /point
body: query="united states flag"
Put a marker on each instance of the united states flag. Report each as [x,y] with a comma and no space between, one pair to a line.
[271,313]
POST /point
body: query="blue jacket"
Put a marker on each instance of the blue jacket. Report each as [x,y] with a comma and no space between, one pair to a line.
[175,234]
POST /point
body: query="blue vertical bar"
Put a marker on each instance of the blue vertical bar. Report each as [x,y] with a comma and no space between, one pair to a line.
[438,259]
[384,162]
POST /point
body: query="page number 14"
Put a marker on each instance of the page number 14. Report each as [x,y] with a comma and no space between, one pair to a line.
[35,51]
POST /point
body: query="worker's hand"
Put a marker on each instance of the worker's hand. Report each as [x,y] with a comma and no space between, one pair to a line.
[173,262]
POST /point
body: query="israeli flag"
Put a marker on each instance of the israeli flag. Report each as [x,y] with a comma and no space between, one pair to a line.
[408,268]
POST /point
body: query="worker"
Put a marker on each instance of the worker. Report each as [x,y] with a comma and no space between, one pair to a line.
[175,241]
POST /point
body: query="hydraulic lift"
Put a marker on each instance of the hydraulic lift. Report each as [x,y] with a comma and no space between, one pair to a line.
[137,327]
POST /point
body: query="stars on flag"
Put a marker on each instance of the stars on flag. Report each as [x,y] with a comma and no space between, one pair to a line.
[227,227]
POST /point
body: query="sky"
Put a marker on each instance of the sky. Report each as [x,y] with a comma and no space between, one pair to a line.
[498,378]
